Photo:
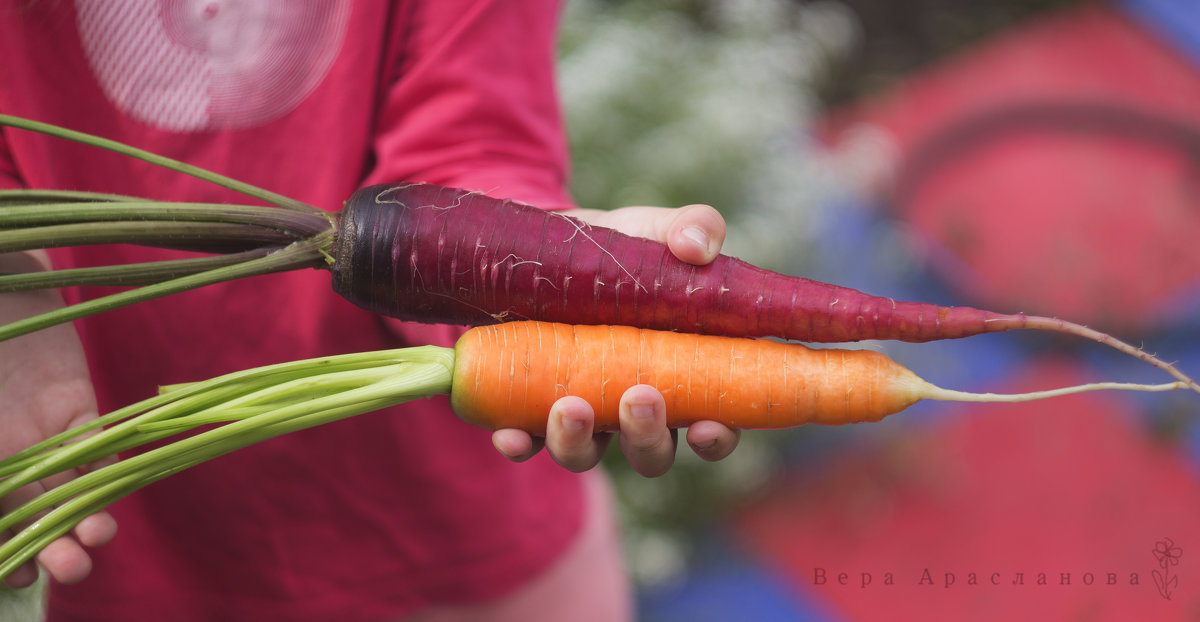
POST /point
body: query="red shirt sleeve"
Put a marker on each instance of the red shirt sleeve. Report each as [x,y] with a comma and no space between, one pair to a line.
[472,101]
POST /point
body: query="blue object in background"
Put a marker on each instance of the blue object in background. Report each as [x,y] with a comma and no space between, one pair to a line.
[1178,21]
[1178,24]
[725,586]
[894,269]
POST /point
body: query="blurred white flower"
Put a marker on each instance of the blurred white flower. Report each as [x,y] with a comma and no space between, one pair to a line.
[666,108]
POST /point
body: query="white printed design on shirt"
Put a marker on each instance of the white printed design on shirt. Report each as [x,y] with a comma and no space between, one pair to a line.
[190,65]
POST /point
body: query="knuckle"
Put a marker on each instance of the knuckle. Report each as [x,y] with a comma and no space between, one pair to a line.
[575,457]
[574,463]
[650,456]
[653,444]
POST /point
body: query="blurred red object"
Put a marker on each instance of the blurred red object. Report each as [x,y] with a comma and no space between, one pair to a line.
[1051,508]
[1053,170]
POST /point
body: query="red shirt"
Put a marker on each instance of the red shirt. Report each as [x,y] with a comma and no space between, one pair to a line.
[366,518]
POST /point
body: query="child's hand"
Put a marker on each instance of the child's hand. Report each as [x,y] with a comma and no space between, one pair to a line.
[694,234]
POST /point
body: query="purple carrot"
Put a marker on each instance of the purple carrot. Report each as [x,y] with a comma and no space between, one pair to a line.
[430,254]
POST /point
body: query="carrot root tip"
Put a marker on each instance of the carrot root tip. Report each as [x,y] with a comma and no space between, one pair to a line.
[934,392]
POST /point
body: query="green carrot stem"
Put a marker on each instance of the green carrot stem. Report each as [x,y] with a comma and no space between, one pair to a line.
[426,372]
[31,540]
[221,415]
[308,253]
[270,398]
[72,440]
[55,444]
[201,236]
[157,160]
[37,196]
[210,444]
[68,450]
[38,219]
[31,466]
[298,224]
[125,275]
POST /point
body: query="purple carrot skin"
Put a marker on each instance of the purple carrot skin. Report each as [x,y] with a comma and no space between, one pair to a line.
[430,254]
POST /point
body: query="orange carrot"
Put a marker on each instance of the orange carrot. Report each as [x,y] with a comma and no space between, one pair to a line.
[498,376]
[509,375]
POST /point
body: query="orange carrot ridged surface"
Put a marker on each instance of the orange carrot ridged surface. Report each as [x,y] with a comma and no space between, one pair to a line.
[509,375]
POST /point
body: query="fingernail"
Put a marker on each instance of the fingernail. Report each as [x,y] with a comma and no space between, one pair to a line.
[697,235]
[706,445]
[641,411]
[572,423]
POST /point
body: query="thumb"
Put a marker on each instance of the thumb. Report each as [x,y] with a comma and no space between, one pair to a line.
[694,233]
